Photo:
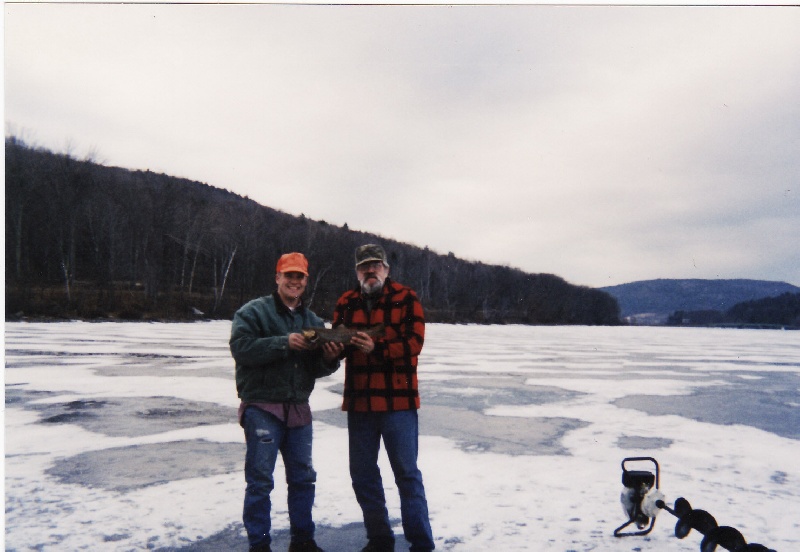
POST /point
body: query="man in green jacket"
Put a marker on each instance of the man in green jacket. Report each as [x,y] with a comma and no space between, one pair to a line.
[276,368]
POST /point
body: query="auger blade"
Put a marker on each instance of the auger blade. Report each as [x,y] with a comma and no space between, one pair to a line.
[684,526]
[726,537]
[700,520]
[755,547]
[682,507]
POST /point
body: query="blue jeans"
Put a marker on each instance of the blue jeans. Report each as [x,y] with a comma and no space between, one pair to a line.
[266,435]
[400,433]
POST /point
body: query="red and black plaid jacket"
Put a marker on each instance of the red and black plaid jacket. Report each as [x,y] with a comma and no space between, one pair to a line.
[386,379]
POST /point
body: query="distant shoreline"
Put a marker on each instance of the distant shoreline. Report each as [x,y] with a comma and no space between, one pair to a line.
[729,326]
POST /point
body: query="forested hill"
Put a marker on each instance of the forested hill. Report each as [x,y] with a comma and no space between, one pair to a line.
[88,241]
[659,299]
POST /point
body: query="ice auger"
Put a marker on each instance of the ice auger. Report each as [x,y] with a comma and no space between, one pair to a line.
[642,500]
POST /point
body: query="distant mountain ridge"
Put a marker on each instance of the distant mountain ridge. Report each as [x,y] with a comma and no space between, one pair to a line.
[652,301]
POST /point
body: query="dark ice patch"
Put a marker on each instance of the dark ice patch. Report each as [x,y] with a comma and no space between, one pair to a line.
[779,478]
[491,392]
[175,413]
[116,537]
[67,418]
[474,431]
[17,395]
[75,412]
[167,366]
[768,403]
[85,405]
[633,442]
[127,468]
[459,416]
[128,416]
[331,539]
[122,363]
[486,393]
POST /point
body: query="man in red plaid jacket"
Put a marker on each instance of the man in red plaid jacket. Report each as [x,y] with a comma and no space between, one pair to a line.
[381,398]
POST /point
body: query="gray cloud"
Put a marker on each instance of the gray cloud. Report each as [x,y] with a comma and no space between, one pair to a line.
[603,144]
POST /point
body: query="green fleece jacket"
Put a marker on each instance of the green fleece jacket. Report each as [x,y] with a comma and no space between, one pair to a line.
[266,369]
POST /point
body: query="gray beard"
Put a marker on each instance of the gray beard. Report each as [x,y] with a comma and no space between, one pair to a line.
[371,289]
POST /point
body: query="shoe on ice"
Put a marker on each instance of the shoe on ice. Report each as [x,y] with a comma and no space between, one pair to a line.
[377,546]
[305,546]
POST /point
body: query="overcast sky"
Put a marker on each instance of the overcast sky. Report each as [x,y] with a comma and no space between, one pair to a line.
[604,144]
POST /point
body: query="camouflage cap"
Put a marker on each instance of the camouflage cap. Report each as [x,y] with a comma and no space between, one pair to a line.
[370,252]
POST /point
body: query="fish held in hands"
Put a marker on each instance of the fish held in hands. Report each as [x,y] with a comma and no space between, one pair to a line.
[341,334]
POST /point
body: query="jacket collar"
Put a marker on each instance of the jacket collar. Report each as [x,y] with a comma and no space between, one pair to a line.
[281,307]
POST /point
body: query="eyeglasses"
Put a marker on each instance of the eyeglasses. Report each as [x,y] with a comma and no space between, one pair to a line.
[370,266]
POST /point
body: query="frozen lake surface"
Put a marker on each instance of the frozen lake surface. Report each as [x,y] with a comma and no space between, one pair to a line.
[122,436]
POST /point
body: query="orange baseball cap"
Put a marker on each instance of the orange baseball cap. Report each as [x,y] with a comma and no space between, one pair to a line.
[293,262]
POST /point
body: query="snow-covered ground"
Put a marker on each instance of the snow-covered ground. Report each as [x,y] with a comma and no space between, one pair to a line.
[122,436]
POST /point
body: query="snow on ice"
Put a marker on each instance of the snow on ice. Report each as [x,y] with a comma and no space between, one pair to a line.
[122,436]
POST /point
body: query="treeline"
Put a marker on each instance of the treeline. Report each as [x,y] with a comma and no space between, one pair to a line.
[88,241]
[781,311]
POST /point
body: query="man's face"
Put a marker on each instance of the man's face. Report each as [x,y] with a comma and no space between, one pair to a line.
[371,276]
[291,285]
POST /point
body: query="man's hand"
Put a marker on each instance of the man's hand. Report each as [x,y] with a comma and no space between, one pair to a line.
[363,342]
[331,351]
[297,342]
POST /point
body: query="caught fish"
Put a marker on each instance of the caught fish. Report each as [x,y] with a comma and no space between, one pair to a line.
[341,334]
